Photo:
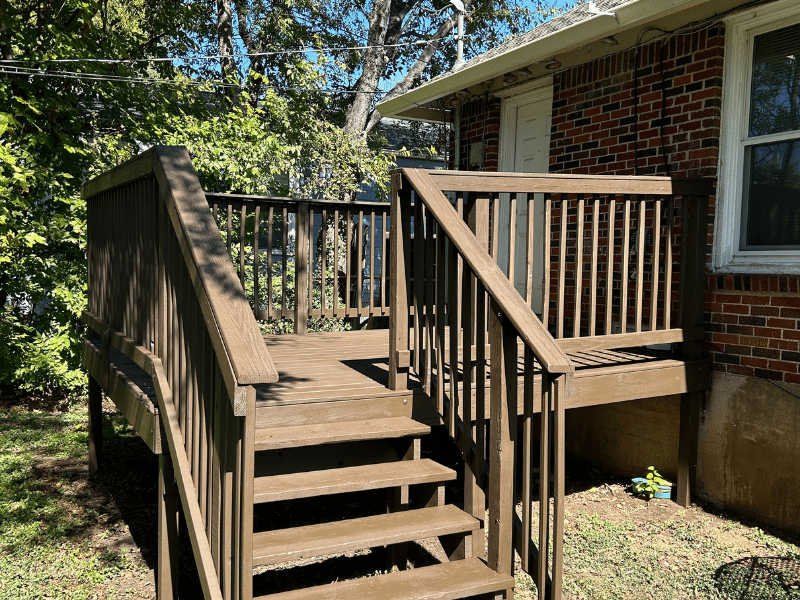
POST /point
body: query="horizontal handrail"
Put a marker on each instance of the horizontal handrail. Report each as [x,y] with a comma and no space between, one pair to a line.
[570,184]
[255,199]
[244,360]
[527,324]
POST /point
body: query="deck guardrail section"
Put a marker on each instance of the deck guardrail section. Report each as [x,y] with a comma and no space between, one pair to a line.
[619,268]
[299,259]
[162,286]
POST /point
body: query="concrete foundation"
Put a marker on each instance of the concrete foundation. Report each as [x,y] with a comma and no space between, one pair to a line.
[748,447]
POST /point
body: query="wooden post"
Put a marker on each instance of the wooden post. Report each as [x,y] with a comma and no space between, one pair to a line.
[692,292]
[400,256]
[301,295]
[95,425]
[168,515]
[503,411]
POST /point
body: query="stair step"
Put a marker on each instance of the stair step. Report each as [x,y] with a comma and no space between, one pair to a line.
[272,547]
[350,479]
[446,581]
[277,438]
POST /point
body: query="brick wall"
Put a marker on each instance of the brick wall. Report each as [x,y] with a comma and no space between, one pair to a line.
[479,126]
[753,325]
[604,124]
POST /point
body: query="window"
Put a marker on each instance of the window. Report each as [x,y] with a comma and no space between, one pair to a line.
[758,228]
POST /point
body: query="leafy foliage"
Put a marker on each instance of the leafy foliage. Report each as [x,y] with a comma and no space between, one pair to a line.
[651,484]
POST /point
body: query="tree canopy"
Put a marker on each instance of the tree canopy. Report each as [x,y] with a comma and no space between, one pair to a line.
[85,84]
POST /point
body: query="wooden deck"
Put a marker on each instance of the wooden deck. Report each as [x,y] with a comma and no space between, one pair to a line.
[350,371]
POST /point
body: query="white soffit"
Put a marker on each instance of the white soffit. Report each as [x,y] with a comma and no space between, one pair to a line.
[418,103]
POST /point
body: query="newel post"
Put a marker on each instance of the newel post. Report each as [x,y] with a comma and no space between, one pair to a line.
[399,272]
[301,296]
[695,231]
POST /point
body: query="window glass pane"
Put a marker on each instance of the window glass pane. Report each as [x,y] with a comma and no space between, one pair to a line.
[775,92]
[773,200]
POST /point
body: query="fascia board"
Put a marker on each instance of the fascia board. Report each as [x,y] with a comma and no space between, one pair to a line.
[632,14]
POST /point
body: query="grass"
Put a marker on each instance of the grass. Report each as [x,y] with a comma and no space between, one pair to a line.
[65,535]
[60,536]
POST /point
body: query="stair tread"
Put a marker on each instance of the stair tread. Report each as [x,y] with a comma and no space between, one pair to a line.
[275,438]
[446,581]
[350,479]
[271,547]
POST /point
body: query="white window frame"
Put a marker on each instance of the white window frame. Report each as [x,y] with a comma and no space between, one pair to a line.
[740,31]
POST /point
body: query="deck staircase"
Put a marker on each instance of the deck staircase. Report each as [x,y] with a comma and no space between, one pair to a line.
[243,421]
[358,456]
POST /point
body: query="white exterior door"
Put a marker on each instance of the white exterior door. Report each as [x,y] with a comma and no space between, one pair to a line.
[525,148]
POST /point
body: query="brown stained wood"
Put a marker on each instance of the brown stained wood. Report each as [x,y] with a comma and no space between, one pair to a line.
[457,579]
[335,259]
[372,262]
[640,240]
[567,183]
[270,229]
[454,325]
[236,336]
[495,239]
[350,479]
[502,339]
[418,291]
[400,261]
[668,263]
[277,438]
[625,273]
[656,265]
[626,340]
[577,314]
[560,393]
[95,424]
[367,532]
[548,218]
[562,269]
[256,273]
[497,284]
[612,225]
[229,229]
[347,259]
[529,257]
[527,460]
[323,262]
[168,516]
[136,168]
[542,571]
[302,300]
[430,299]
[593,282]
[361,261]
[285,258]
[512,236]
[242,240]
[440,279]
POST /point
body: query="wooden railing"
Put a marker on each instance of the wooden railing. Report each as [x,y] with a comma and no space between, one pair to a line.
[457,318]
[163,291]
[301,259]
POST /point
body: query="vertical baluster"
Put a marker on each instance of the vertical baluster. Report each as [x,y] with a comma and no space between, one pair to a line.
[626,258]
[527,456]
[418,281]
[668,263]
[576,325]
[440,317]
[529,239]
[242,240]
[372,262]
[562,270]
[481,328]
[302,264]
[593,276]
[323,263]
[548,216]
[430,301]
[284,258]
[612,223]
[544,487]
[256,233]
[640,239]
[361,256]
[495,204]
[336,262]
[229,228]
[401,270]
[270,301]
[347,262]
[512,236]
[656,266]
[468,367]
[383,262]
[453,307]
[559,394]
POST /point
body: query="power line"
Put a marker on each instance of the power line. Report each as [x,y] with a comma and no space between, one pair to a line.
[75,75]
[206,57]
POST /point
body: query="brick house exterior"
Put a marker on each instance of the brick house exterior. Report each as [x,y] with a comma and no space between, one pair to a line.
[656,108]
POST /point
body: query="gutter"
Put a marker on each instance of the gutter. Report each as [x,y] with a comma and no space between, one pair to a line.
[415,104]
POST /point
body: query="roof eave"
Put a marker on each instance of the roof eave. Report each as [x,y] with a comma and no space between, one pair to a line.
[415,104]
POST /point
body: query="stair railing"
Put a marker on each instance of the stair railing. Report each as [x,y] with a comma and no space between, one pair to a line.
[163,291]
[461,300]
[617,267]
[302,259]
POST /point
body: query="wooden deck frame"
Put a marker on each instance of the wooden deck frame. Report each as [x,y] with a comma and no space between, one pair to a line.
[464,349]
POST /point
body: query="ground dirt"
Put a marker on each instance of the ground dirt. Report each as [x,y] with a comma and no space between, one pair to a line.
[617,545]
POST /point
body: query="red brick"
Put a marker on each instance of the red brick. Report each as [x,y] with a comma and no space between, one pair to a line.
[785,344]
[753,362]
[755,300]
[789,301]
[765,311]
[792,378]
[782,323]
[786,367]
[741,310]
